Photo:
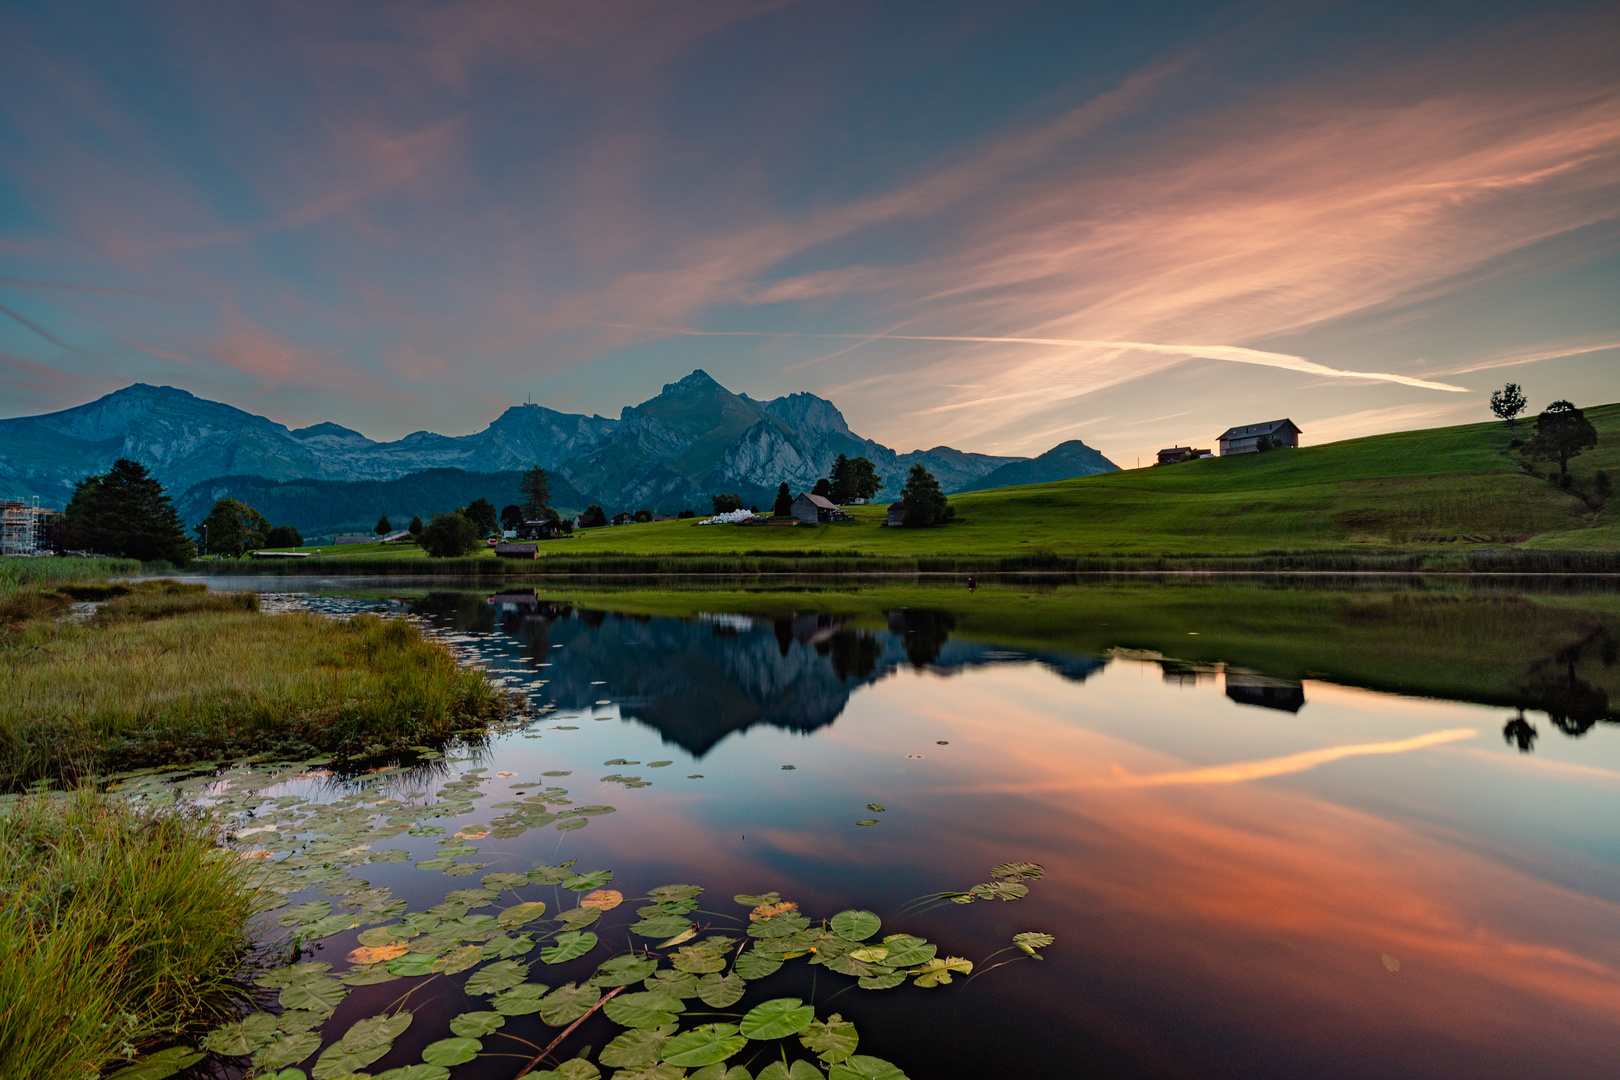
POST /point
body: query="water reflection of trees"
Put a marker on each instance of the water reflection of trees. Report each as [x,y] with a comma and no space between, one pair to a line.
[1556,685]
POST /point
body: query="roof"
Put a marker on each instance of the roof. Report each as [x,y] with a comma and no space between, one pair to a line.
[1249,431]
[819,502]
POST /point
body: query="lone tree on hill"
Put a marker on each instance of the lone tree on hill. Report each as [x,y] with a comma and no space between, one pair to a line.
[536,490]
[125,512]
[924,501]
[233,527]
[1507,403]
[783,506]
[383,528]
[512,516]
[481,512]
[449,535]
[1562,432]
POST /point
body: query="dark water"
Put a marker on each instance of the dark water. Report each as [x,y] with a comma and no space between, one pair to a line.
[1260,861]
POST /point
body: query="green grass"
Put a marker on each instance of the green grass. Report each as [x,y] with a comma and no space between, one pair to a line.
[117,927]
[1405,500]
[16,573]
[165,672]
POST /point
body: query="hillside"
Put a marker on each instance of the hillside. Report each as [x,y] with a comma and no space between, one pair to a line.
[1450,488]
[673,451]
[319,509]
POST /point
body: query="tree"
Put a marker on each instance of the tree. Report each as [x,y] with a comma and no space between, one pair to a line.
[724,504]
[233,527]
[783,506]
[864,478]
[1507,403]
[536,489]
[450,535]
[481,512]
[840,481]
[687,513]
[383,528]
[125,512]
[924,501]
[644,515]
[283,536]
[1562,432]
[594,517]
[416,525]
[512,516]
[823,488]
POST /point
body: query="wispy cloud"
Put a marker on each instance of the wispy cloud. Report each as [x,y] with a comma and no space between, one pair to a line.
[1243,771]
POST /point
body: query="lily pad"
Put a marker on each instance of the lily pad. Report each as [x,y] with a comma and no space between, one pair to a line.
[1019,871]
[706,1044]
[550,875]
[685,935]
[501,975]
[384,935]
[412,964]
[242,1037]
[473,1025]
[1000,890]
[309,912]
[576,918]
[884,979]
[638,1046]
[754,964]
[855,925]
[454,1051]
[375,1031]
[321,994]
[416,1072]
[750,900]
[602,899]
[460,960]
[505,947]
[907,951]
[568,1003]
[158,1066]
[660,926]
[377,954]
[861,1067]
[624,970]
[938,971]
[868,822]
[288,1050]
[336,1061]
[569,946]
[721,992]
[800,1070]
[834,1040]
[1029,942]
[648,1009]
[520,1000]
[699,959]
[366,975]
[500,881]
[777,1019]
[666,893]
[586,882]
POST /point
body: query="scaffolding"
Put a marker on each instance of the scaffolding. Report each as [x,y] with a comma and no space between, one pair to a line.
[19,526]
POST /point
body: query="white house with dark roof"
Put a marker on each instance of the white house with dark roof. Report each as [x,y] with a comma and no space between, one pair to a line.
[1246,439]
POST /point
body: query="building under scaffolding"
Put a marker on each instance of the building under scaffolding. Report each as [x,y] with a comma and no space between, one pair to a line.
[20,521]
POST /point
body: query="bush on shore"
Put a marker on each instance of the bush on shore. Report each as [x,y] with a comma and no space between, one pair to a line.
[118,926]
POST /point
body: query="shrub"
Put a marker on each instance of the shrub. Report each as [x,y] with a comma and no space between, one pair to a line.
[448,536]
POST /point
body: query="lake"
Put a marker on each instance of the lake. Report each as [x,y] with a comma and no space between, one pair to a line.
[1330,828]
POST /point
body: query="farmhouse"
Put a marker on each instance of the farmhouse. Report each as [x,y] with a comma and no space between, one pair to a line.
[517,551]
[623,518]
[539,530]
[1246,439]
[897,514]
[1172,454]
[816,510]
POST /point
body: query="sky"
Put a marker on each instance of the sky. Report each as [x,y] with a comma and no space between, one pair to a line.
[996,226]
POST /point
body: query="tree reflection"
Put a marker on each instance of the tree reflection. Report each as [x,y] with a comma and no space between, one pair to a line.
[925,633]
[1556,686]
[1521,732]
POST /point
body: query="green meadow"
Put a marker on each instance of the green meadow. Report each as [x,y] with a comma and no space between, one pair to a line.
[1432,492]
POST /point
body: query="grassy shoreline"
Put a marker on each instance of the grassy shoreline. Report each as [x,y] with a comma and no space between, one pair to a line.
[164,672]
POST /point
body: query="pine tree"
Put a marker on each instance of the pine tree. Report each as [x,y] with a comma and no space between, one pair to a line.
[125,512]
[536,491]
[924,501]
[383,528]
[841,481]
[783,507]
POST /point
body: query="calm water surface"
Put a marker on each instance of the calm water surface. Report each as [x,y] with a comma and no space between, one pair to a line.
[1250,871]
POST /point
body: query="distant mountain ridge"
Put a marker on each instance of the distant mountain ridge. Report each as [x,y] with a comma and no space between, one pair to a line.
[693,439]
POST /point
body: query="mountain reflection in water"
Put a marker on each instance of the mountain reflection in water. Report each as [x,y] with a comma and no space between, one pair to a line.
[696,681]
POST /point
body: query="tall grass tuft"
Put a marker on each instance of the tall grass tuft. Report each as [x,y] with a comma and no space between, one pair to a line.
[117,927]
[18,572]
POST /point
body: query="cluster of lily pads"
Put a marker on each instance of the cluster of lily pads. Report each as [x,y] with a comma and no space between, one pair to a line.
[513,948]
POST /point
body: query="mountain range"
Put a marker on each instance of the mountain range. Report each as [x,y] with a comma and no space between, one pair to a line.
[693,439]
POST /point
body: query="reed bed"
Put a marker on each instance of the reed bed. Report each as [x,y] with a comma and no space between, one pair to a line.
[118,926]
[167,673]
